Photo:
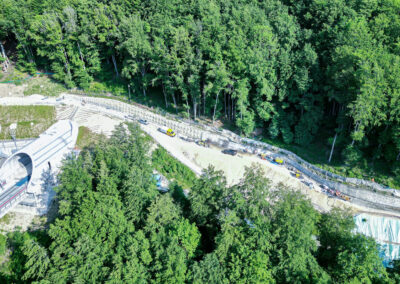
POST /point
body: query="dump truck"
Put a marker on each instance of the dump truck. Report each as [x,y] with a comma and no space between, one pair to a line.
[279,161]
[167,131]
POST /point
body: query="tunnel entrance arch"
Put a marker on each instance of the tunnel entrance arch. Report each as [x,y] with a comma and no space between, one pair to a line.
[15,176]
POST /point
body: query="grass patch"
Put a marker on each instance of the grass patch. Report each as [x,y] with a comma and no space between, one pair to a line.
[44,86]
[14,76]
[6,219]
[172,168]
[87,137]
[31,120]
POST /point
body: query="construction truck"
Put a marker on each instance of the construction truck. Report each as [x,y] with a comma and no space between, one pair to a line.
[167,131]
[279,161]
[345,197]
[297,174]
[203,143]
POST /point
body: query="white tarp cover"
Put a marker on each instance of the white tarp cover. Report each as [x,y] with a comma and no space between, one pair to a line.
[385,230]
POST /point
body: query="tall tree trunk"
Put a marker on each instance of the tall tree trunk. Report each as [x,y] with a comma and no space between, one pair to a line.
[194,108]
[23,45]
[165,95]
[380,144]
[204,99]
[115,65]
[6,62]
[215,107]
[2,50]
[232,106]
[225,104]
[187,107]
[355,129]
[234,112]
[31,54]
[333,147]
[174,100]
[333,109]
[143,72]
[241,110]
[228,105]
[66,64]
[80,53]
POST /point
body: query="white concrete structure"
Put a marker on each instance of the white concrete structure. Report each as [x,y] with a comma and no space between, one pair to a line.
[27,172]
[7,147]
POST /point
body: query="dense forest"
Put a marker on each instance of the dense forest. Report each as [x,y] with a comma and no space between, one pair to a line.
[113,226]
[298,69]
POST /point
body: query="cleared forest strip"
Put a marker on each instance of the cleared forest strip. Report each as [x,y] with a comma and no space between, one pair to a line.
[253,145]
[365,198]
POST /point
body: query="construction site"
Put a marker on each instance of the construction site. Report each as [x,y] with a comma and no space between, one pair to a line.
[29,167]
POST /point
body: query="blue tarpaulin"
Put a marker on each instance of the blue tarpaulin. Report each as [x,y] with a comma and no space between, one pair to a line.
[386,232]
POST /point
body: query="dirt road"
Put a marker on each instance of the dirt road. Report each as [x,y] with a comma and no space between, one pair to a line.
[196,157]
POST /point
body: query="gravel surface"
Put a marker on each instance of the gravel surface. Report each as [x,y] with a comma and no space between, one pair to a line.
[101,120]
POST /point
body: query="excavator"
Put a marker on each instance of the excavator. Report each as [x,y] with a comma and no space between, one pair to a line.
[276,161]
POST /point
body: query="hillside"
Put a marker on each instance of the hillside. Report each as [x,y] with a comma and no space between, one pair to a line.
[320,77]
